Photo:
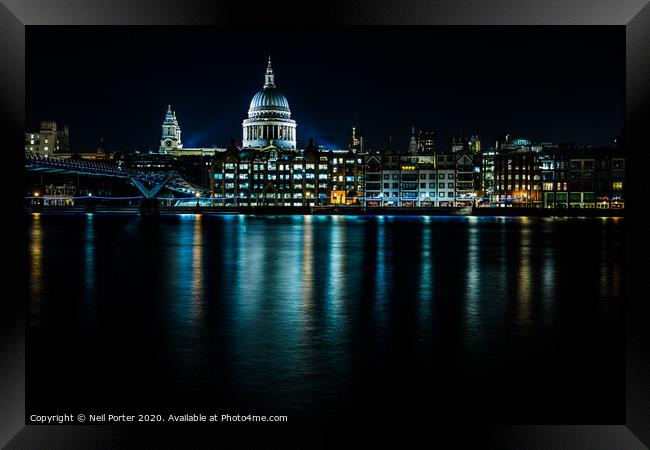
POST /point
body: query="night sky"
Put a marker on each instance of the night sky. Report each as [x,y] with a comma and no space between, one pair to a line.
[549,84]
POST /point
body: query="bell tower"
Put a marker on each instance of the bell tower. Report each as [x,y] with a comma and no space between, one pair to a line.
[171,133]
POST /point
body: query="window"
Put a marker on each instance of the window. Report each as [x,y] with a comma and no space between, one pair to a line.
[441,185]
[395,176]
[423,185]
[450,185]
[450,176]
[423,176]
[386,185]
[441,176]
[442,194]
[450,194]
[386,176]
[432,185]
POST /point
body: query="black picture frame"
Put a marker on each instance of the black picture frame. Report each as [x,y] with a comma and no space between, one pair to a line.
[634,15]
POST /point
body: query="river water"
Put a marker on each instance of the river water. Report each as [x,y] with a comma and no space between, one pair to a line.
[505,320]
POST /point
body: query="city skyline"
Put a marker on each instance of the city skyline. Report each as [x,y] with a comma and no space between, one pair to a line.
[315,99]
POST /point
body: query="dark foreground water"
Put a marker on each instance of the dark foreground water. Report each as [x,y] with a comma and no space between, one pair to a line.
[500,320]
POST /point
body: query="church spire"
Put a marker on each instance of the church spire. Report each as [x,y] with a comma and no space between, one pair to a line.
[413,143]
[269,83]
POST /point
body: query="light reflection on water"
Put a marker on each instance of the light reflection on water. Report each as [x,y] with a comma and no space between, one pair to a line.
[36,280]
[293,312]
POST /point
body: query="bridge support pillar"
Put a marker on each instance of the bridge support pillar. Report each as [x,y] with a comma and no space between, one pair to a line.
[90,205]
[149,207]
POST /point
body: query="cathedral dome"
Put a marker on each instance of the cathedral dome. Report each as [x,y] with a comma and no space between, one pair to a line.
[269,122]
[269,99]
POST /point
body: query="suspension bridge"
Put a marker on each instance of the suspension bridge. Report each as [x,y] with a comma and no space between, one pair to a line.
[149,183]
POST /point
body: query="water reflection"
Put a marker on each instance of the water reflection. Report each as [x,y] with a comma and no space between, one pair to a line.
[425,291]
[382,288]
[89,261]
[337,276]
[473,282]
[36,269]
[524,277]
[197,269]
[320,314]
